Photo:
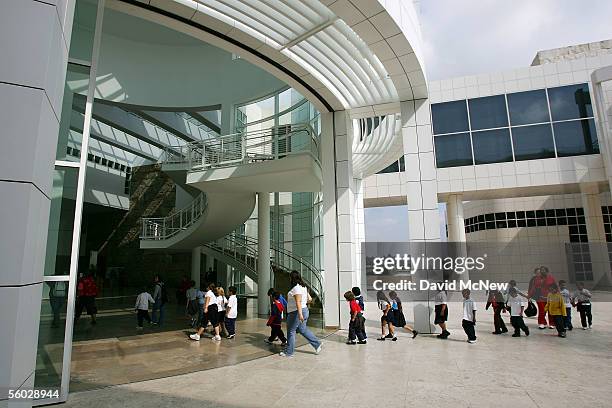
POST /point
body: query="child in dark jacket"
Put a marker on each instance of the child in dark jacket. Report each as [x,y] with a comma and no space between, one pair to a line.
[356,326]
[496,299]
[275,320]
[359,299]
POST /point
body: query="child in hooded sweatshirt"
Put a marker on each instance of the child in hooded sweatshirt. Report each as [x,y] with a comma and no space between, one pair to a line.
[555,306]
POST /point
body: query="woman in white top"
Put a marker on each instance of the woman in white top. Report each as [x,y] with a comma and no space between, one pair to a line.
[297,315]
[211,314]
[221,303]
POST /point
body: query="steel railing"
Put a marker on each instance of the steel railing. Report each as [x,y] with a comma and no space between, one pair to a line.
[245,251]
[165,227]
[246,147]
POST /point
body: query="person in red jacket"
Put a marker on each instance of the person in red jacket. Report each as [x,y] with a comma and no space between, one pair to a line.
[538,290]
[87,290]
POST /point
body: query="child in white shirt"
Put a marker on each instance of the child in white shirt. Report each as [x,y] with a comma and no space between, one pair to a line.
[469,316]
[517,306]
[231,313]
[142,307]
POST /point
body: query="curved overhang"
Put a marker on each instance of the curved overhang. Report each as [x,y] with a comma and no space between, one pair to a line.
[379,149]
[342,55]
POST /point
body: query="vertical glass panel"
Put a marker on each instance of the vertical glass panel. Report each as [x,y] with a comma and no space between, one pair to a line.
[453,150]
[570,102]
[61,221]
[51,335]
[576,137]
[83,27]
[449,117]
[70,133]
[528,107]
[288,98]
[258,110]
[492,146]
[533,142]
[488,112]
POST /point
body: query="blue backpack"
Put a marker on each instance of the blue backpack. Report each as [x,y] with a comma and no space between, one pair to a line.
[283,301]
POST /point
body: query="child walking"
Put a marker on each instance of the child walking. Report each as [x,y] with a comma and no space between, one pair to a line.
[496,300]
[555,306]
[517,307]
[142,307]
[356,323]
[275,320]
[400,320]
[359,299]
[221,304]
[210,314]
[582,299]
[386,320]
[231,312]
[441,313]
[469,316]
[567,298]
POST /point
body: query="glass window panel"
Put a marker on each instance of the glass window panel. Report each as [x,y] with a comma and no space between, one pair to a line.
[488,112]
[492,146]
[51,330]
[288,98]
[449,117]
[453,150]
[61,221]
[570,102]
[392,168]
[533,142]
[70,133]
[528,107]
[83,28]
[576,137]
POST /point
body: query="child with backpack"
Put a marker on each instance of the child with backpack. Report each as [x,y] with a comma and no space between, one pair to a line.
[399,319]
[356,324]
[275,320]
[359,299]
[283,303]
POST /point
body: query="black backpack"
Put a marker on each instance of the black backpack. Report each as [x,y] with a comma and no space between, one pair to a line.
[531,309]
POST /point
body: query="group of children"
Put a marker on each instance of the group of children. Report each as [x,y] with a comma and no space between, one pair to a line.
[558,306]
[203,307]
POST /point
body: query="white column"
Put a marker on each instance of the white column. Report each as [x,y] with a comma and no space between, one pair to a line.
[196,262]
[341,272]
[35,36]
[598,248]
[263,251]
[359,217]
[421,184]
[421,193]
[455,219]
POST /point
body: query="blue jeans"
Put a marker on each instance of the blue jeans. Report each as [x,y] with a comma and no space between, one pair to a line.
[158,312]
[294,325]
[568,319]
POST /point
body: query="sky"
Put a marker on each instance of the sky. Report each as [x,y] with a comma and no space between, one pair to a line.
[466,37]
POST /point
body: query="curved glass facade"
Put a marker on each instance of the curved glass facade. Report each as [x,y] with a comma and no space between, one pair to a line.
[538,124]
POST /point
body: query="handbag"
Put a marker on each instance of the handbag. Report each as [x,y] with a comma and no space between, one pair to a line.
[531,309]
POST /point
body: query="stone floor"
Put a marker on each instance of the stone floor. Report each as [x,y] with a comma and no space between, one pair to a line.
[541,370]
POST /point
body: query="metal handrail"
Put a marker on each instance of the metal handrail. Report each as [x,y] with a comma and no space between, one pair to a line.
[245,250]
[159,228]
[246,147]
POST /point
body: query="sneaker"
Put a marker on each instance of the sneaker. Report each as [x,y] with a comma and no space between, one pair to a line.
[590,326]
[217,338]
[351,342]
[394,338]
[496,332]
[551,327]
[231,336]
[414,333]
[318,349]
[283,354]
[561,335]
[471,341]
[541,326]
[446,333]
[362,342]
[195,337]
[268,341]
[526,332]
[284,344]
[389,336]
[516,335]
[383,339]
[504,330]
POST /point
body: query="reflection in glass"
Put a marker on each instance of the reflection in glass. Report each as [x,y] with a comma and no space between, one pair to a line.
[70,133]
[83,28]
[51,335]
[61,221]
[533,142]
[492,146]
[453,150]
[288,98]
[449,117]
[576,137]
[488,112]
[570,102]
[528,107]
